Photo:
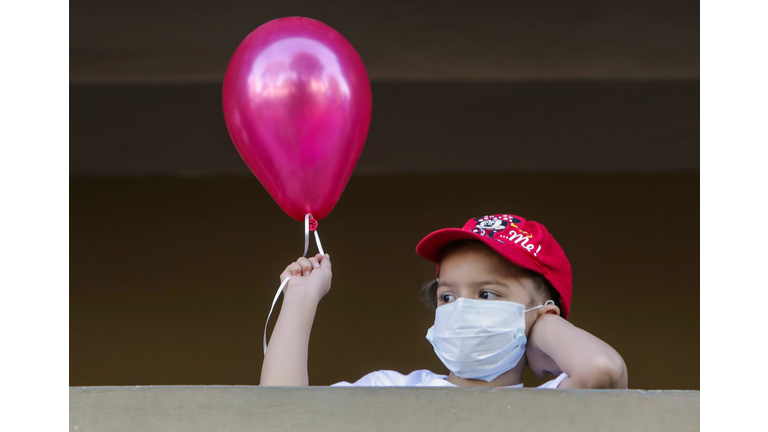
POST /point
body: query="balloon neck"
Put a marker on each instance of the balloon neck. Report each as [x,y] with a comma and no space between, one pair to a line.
[310,225]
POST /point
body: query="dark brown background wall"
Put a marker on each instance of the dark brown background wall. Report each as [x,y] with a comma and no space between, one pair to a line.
[582,115]
[416,127]
[171,279]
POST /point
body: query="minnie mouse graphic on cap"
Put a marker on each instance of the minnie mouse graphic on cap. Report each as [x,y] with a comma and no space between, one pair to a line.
[490,225]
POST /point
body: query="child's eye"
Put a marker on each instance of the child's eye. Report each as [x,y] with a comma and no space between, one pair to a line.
[487,295]
[447,298]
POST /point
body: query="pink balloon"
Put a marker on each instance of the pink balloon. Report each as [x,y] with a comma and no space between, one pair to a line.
[297,103]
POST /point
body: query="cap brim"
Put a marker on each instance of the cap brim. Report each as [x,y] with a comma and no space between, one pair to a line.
[430,246]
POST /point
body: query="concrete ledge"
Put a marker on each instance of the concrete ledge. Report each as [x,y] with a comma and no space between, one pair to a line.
[249,408]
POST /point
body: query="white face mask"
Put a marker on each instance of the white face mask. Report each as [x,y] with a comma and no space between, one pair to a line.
[479,339]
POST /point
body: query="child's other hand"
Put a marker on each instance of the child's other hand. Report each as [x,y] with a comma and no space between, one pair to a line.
[556,346]
[310,277]
[542,333]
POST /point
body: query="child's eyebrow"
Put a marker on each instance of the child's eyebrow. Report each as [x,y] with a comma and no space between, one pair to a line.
[489,282]
[478,284]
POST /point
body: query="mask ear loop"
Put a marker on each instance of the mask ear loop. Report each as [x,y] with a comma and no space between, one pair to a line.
[547,303]
[310,224]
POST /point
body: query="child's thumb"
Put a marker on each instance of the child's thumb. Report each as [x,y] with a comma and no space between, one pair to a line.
[326,262]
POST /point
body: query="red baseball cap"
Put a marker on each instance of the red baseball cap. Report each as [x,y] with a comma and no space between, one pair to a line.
[525,243]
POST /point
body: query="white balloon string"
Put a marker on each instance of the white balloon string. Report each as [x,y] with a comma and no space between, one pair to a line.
[319,245]
[306,233]
[279,290]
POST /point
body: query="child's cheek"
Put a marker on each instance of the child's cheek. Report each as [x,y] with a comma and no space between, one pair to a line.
[530,321]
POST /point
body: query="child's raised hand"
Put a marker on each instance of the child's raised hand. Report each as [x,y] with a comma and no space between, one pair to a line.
[285,362]
[310,277]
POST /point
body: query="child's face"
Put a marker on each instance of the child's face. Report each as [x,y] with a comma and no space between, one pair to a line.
[476,273]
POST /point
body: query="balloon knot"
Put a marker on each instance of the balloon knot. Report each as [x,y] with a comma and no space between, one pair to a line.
[312,224]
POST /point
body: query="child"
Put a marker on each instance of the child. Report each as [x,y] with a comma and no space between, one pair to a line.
[501,299]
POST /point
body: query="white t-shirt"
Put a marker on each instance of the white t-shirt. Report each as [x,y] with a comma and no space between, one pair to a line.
[421,378]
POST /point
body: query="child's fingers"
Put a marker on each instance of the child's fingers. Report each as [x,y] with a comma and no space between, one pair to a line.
[306,266]
[303,266]
[293,269]
[326,262]
[284,275]
[296,269]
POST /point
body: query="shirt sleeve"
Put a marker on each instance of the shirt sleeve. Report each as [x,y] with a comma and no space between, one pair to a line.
[553,384]
[388,378]
[374,379]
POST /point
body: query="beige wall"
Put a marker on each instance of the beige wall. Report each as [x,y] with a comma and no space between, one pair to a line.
[192,409]
[171,279]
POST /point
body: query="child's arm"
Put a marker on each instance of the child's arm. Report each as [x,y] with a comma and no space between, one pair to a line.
[285,363]
[557,346]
